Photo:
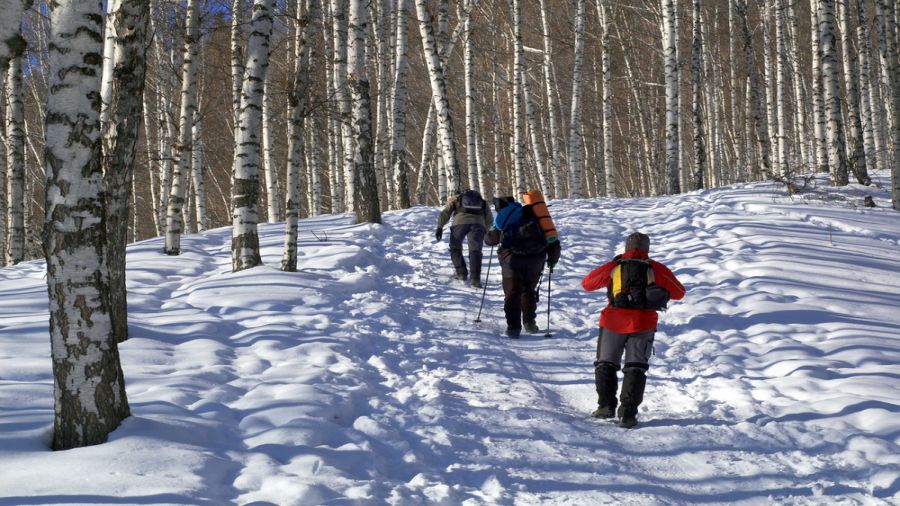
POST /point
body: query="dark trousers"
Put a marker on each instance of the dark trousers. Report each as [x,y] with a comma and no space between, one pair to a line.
[520,279]
[474,233]
[637,348]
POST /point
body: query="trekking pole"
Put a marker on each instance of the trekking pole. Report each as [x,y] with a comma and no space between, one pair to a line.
[549,281]
[484,288]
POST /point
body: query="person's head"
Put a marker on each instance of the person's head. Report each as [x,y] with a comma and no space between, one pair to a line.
[638,241]
[501,202]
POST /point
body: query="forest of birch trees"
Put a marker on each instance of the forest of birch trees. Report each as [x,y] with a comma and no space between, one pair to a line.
[126,120]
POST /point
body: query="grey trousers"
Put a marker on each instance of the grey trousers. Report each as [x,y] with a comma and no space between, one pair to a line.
[637,347]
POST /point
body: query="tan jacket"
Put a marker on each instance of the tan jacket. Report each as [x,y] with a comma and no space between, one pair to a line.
[460,217]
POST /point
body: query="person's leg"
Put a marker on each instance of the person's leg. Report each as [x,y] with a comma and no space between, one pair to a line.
[610,346]
[457,234]
[638,348]
[531,275]
[512,301]
[476,239]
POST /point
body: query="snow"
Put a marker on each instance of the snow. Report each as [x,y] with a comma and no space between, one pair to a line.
[363,378]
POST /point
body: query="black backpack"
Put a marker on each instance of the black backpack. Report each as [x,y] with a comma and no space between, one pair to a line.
[524,236]
[470,202]
[632,286]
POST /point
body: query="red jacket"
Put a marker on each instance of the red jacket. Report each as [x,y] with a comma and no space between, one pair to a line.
[626,321]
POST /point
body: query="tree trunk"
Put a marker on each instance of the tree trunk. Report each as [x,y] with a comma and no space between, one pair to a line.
[872,112]
[471,120]
[342,96]
[670,40]
[11,42]
[367,206]
[128,29]
[518,74]
[273,199]
[608,162]
[852,79]
[781,90]
[697,101]
[89,388]
[184,147]
[15,164]
[400,95]
[237,62]
[576,169]
[756,106]
[197,181]
[439,96]
[837,144]
[297,102]
[245,167]
[552,189]
[821,147]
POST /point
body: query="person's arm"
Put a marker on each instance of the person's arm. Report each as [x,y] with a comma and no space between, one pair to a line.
[599,277]
[446,213]
[488,216]
[554,250]
[666,279]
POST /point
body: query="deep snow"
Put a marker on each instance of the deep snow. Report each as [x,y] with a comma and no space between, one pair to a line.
[363,379]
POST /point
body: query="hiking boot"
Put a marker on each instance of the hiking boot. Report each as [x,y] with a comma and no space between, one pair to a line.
[476,283]
[603,412]
[513,333]
[531,328]
[627,420]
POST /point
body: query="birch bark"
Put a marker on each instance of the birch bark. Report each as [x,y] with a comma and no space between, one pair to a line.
[245,167]
[873,115]
[672,115]
[439,96]
[367,205]
[553,184]
[608,162]
[781,89]
[11,42]
[15,165]
[697,100]
[184,146]
[128,30]
[837,144]
[821,147]
[856,148]
[576,169]
[398,139]
[89,388]
[756,106]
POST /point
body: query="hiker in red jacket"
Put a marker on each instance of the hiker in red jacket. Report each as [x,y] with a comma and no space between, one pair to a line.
[636,288]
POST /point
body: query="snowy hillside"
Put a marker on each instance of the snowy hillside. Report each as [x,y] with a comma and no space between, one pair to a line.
[363,379]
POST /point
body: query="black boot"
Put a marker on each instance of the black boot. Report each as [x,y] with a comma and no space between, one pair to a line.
[607,384]
[475,266]
[632,396]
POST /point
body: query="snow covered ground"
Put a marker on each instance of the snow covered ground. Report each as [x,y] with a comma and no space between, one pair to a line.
[363,378]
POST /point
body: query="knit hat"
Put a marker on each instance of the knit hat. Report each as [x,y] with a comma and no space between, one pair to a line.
[639,241]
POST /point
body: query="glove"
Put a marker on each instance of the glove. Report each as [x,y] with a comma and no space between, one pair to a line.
[551,265]
[439,233]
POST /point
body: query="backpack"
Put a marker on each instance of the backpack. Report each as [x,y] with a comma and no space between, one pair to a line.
[522,233]
[470,202]
[632,286]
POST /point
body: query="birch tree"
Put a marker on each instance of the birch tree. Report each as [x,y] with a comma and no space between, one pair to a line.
[198,183]
[893,60]
[873,122]
[367,206]
[697,100]
[237,62]
[781,90]
[818,92]
[575,153]
[475,181]
[89,388]
[400,95]
[605,70]
[184,144]
[670,38]
[758,121]
[245,167]
[439,96]
[553,186]
[128,30]
[518,75]
[273,200]
[297,110]
[836,139]
[857,158]
[342,97]
[15,164]
[11,42]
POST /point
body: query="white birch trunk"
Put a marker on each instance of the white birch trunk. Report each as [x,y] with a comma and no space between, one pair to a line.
[197,181]
[107,76]
[368,207]
[576,169]
[894,70]
[273,197]
[11,42]
[836,140]
[802,138]
[297,101]
[821,147]
[342,96]
[237,62]
[781,89]
[245,168]
[15,165]
[314,152]
[439,97]
[518,74]
[89,388]
[697,101]
[553,185]
[184,146]
[758,121]
[471,120]
[398,139]
[606,71]
[856,148]
[769,82]
[873,121]
[670,38]
[885,49]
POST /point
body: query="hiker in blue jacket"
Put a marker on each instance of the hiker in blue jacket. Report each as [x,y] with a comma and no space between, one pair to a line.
[522,254]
